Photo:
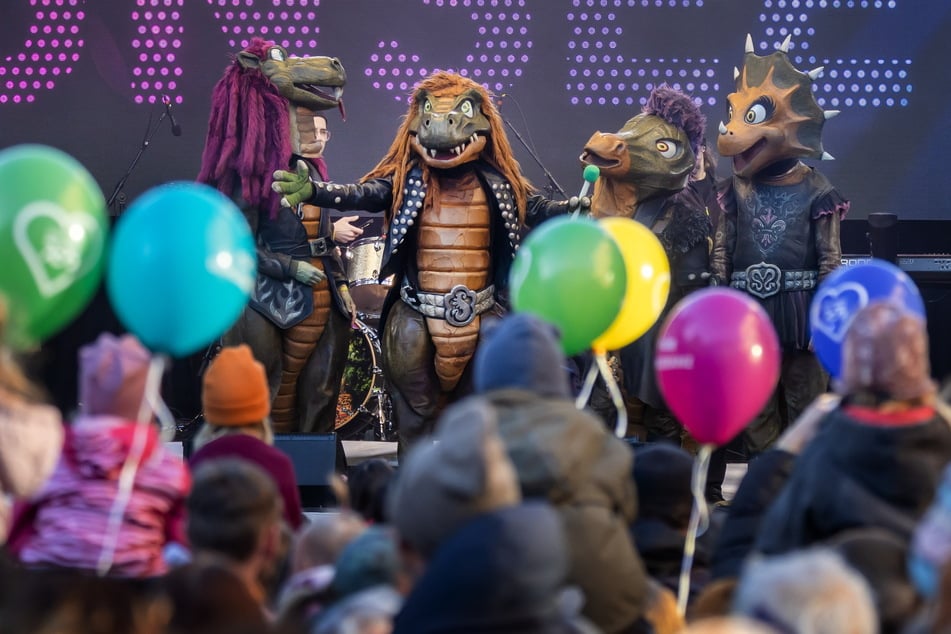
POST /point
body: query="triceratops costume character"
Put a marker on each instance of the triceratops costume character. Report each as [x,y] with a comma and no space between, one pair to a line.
[298,319]
[455,202]
[645,167]
[778,236]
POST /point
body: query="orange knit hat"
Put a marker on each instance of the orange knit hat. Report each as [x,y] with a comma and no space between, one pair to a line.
[235,390]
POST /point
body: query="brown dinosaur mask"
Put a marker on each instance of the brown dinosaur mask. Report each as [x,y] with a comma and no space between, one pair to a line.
[652,154]
[448,128]
[773,115]
[315,83]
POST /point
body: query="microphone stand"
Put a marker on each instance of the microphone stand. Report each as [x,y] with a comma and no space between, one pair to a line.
[553,185]
[118,196]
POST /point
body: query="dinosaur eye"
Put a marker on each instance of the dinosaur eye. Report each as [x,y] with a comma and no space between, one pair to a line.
[277,54]
[466,108]
[427,106]
[759,112]
[668,148]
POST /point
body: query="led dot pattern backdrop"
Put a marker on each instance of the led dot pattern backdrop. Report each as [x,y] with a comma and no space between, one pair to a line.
[88,77]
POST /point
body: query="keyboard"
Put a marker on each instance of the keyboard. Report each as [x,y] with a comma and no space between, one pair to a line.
[925,265]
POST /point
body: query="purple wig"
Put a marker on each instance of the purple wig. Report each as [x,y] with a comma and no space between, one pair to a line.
[678,109]
[248,134]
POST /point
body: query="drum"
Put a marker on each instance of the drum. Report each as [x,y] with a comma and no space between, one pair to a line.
[363,405]
[363,259]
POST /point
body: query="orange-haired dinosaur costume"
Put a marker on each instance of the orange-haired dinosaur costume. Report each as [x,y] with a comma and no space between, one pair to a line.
[455,204]
[298,319]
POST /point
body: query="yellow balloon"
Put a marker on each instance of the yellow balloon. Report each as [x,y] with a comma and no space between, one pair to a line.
[648,282]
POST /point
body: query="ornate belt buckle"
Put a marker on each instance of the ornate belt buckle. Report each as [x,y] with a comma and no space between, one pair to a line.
[763,280]
[459,305]
[319,247]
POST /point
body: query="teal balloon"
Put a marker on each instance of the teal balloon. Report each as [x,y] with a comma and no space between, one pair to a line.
[181,267]
[570,273]
[53,234]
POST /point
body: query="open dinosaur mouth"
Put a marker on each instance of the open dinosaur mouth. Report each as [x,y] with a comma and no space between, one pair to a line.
[592,158]
[330,93]
[443,154]
[746,157]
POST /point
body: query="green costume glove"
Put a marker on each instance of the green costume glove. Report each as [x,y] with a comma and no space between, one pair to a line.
[307,273]
[295,187]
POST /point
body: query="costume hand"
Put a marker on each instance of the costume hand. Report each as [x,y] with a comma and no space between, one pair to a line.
[345,231]
[582,204]
[309,274]
[805,428]
[295,187]
[348,303]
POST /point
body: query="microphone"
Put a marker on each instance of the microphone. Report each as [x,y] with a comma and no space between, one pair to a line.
[590,174]
[176,129]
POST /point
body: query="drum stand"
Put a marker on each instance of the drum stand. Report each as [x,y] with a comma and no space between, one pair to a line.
[384,409]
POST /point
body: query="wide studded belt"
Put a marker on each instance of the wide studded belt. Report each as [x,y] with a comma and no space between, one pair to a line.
[765,280]
[458,307]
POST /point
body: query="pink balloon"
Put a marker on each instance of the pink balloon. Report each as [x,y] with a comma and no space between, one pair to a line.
[717,363]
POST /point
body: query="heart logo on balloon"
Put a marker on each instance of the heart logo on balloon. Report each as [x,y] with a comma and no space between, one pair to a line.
[51,241]
[833,308]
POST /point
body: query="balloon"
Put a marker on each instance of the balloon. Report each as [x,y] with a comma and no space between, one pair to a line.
[181,267]
[648,282]
[843,293]
[570,273]
[52,236]
[717,362]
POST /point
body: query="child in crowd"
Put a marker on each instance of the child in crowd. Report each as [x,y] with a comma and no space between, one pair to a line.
[236,403]
[67,524]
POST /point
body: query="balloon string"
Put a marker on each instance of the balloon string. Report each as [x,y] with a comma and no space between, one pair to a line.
[620,429]
[699,522]
[162,412]
[131,465]
[588,386]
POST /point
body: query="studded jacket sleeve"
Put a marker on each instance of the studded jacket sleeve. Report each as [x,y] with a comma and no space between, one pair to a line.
[374,195]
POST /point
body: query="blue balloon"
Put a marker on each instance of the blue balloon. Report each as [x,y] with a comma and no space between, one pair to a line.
[181,267]
[847,290]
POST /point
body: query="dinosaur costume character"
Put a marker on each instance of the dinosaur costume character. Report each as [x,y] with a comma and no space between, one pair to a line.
[455,204]
[297,321]
[645,167]
[778,236]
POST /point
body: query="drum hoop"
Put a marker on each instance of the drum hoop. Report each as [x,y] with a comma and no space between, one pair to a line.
[372,341]
[364,281]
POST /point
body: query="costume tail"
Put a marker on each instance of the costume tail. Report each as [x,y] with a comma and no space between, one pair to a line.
[454,348]
[298,344]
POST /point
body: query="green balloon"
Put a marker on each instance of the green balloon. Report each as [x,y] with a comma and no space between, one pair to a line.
[570,273]
[52,236]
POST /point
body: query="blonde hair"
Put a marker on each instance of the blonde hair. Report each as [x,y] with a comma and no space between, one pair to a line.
[209,432]
[12,378]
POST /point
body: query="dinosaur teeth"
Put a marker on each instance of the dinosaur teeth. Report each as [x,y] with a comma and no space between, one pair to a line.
[432,153]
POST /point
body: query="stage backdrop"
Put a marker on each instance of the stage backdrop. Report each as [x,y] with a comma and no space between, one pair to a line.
[87,76]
